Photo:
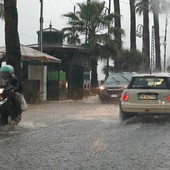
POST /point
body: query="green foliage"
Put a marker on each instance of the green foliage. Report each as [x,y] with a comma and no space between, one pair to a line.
[154,5]
[110,69]
[94,25]
[132,60]
[139,7]
[91,19]
[33,96]
[71,32]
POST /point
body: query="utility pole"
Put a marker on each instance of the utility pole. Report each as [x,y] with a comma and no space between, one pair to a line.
[152,59]
[41,26]
[165,41]
[74,9]
[109,6]
[43,81]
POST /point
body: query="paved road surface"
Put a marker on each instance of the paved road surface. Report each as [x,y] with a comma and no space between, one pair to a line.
[84,135]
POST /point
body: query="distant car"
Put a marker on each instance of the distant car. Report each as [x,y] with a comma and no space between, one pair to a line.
[114,85]
[147,94]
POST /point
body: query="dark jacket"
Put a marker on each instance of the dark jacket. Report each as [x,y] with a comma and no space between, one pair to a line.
[16,83]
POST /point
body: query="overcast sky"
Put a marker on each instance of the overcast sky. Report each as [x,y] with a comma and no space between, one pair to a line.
[28,11]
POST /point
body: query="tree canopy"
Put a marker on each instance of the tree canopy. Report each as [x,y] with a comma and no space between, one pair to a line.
[93,26]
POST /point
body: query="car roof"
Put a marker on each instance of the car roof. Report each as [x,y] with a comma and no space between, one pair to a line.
[122,73]
[152,75]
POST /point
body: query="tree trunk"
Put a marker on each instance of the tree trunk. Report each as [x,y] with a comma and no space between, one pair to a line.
[146,36]
[117,18]
[70,78]
[118,37]
[13,53]
[157,37]
[94,79]
[118,65]
[133,25]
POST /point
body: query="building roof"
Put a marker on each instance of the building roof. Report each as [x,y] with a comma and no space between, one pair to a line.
[50,29]
[56,46]
[153,75]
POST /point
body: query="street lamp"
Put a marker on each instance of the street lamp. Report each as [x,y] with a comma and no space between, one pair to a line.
[164,43]
[139,34]
[139,31]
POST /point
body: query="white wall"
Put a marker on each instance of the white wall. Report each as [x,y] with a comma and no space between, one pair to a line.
[39,72]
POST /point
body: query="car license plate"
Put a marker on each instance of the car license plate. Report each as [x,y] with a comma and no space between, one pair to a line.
[114,95]
[147,97]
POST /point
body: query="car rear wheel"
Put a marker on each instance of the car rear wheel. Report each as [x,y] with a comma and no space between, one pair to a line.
[124,115]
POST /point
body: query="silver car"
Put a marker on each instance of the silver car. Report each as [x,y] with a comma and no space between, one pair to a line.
[114,86]
[147,94]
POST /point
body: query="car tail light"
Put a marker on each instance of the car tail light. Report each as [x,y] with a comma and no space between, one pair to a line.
[125,97]
[168,98]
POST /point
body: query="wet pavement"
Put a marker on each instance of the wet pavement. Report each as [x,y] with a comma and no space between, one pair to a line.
[84,135]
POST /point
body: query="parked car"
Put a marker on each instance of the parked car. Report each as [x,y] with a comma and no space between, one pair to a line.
[114,85]
[147,94]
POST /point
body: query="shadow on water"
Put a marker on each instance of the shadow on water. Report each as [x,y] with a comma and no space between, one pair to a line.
[96,100]
[110,101]
[161,120]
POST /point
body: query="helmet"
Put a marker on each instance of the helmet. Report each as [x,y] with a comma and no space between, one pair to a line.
[7,69]
[11,69]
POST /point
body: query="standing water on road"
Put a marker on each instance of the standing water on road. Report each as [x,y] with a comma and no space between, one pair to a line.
[84,134]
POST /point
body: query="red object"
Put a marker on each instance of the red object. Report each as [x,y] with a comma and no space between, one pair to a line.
[125,97]
[168,98]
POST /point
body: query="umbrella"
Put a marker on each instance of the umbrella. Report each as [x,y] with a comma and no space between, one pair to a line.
[30,54]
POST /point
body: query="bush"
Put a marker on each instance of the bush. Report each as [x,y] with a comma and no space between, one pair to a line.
[132,60]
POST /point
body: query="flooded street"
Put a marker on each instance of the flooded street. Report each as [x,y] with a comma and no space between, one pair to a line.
[84,135]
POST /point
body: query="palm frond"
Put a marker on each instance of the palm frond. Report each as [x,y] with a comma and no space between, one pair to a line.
[92,19]
[139,7]
[71,16]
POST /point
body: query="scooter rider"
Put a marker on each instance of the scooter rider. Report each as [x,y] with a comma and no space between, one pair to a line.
[14,94]
[8,76]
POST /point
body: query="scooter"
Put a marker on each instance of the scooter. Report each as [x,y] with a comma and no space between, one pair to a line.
[10,110]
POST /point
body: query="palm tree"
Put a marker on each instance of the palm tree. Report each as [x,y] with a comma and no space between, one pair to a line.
[155,8]
[71,32]
[165,8]
[118,36]
[133,25]
[109,47]
[143,8]
[89,22]
[129,56]
[117,18]
[13,53]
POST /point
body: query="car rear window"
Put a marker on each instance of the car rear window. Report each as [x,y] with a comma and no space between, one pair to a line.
[118,79]
[149,83]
